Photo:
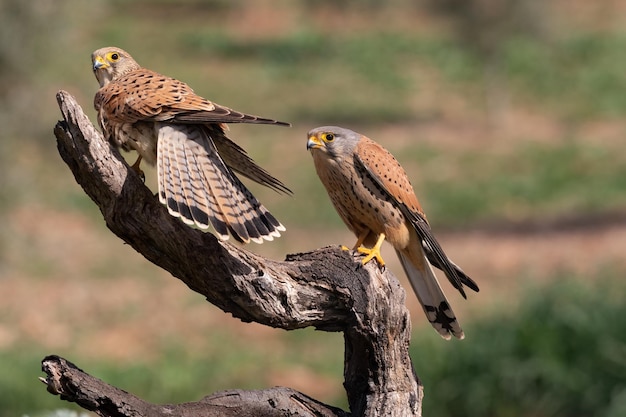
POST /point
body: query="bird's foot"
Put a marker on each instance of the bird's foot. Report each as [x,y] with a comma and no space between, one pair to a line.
[344,247]
[374,252]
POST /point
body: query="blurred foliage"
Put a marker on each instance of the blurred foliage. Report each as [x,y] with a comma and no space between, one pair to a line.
[487,25]
[583,74]
[580,76]
[532,178]
[63,412]
[18,384]
[371,63]
[33,36]
[561,353]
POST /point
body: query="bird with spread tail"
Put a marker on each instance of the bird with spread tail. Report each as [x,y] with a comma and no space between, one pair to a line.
[373,196]
[183,134]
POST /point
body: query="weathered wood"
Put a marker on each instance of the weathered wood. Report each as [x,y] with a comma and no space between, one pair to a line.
[327,288]
[73,384]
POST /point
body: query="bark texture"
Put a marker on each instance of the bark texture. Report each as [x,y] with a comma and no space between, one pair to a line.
[327,288]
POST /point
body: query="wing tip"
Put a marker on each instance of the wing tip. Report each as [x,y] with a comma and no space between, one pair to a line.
[269,236]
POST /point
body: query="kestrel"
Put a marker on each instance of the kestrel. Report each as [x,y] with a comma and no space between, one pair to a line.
[184,135]
[373,196]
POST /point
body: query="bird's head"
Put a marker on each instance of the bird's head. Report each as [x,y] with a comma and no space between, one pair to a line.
[333,141]
[110,63]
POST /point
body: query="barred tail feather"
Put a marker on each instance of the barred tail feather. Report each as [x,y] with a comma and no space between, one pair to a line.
[180,183]
[245,215]
[430,295]
[197,186]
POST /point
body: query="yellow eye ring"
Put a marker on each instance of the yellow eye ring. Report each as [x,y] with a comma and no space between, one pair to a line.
[328,137]
[114,56]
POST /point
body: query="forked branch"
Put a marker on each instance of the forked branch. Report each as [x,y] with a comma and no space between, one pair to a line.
[327,288]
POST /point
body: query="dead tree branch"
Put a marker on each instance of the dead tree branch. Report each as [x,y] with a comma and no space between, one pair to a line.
[327,288]
[72,384]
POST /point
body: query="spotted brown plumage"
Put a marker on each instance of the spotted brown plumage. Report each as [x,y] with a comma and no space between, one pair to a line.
[183,134]
[374,197]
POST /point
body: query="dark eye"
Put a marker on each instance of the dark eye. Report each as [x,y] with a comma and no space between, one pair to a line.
[115,56]
[328,137]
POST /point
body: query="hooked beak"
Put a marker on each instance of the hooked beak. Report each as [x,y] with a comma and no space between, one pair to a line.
[98,63]
[313,143]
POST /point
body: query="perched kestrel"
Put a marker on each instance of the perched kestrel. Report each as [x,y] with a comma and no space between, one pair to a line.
[373,195]
[183,134]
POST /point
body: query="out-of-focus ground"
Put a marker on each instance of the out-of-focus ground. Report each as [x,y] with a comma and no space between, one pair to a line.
[522,175]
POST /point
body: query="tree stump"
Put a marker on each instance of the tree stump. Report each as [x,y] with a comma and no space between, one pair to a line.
[327,288]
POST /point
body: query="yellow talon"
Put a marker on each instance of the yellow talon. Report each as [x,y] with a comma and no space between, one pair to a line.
[344,247]
[373,252]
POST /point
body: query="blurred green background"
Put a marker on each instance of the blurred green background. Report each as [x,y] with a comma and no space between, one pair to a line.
[507,115]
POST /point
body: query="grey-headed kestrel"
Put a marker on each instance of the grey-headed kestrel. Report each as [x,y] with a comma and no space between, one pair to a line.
[373,196]
[184,135]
